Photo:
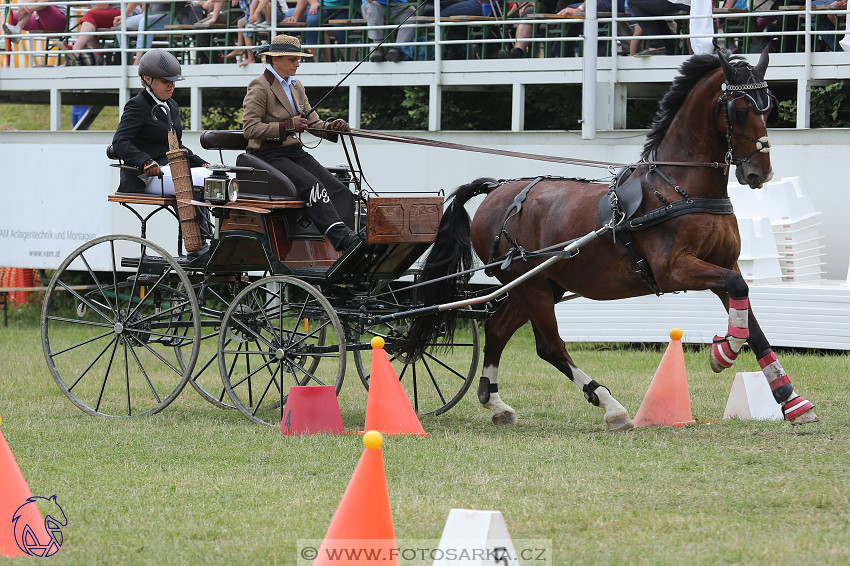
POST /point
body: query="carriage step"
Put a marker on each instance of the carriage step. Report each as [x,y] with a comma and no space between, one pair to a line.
[156,262]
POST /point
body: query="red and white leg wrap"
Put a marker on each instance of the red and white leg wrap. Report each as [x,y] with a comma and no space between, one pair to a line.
[726,348]
[796,407]
[722,352]
[783,392]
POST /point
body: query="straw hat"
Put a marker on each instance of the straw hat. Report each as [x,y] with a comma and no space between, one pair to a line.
[283,45]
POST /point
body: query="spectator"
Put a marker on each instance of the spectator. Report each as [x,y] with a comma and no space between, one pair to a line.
[375,12]
[827,23]
[47,16]
[156,16]
[261,13]
[649,8]
[524,32]
[309,10]
[276,111]
[99,16]
[454,33]
[574,30]
[243,38]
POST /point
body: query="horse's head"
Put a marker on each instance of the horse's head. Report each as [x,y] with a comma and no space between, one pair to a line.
[742,109]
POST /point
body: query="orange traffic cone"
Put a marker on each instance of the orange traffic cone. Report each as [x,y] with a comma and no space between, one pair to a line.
[13,496]
[667,402]
[362,530]
[388,410]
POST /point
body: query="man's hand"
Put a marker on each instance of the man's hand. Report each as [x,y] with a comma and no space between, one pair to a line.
[152,169]
[338,125]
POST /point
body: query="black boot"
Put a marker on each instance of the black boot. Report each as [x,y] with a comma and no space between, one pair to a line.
[342,237]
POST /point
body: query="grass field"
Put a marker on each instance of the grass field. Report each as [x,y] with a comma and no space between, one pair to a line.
[195,484]
[37,117]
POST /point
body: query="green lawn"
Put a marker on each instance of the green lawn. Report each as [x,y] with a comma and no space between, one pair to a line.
[26,117]
[195,484]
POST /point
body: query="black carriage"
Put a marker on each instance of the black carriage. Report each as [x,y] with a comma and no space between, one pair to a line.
[269,306]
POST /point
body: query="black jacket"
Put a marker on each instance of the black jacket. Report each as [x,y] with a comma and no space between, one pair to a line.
[140,137]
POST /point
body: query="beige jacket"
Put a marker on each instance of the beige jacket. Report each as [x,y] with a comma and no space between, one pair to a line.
[266,105]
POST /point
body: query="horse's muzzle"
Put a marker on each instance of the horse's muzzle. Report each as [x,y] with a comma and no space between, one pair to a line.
[752,175]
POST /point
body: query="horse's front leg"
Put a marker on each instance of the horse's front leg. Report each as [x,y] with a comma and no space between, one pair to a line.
[797,409]
[743,327]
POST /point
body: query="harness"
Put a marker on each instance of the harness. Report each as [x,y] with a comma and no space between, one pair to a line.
[618,207]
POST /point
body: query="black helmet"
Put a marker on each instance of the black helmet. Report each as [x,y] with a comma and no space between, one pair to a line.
[160,65]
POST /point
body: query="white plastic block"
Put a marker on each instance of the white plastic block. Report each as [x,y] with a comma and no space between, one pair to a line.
[757,239]
[751,399]
[782,201]
[475,538]
[761,271]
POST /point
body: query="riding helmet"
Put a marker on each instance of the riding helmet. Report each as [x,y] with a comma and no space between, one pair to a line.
[160,64]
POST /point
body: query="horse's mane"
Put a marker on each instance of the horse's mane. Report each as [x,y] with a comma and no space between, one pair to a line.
[691,71]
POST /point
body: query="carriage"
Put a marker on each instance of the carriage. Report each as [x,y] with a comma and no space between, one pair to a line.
[269,306]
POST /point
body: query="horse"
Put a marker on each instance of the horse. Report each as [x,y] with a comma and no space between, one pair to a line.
[671,224]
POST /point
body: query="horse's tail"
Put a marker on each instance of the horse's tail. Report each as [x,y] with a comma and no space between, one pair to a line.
[451,253]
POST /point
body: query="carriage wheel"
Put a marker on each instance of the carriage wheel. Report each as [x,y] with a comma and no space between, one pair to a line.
[214,293]
[437,380]
[278,332]
[110,336]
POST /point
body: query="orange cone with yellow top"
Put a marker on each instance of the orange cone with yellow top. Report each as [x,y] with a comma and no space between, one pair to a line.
[667,402]
[361,531]
[388,410]
[14,492]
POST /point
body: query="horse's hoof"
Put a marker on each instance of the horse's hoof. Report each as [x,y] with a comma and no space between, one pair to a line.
[619,422]
[505,418]
[715,366]
[806,418]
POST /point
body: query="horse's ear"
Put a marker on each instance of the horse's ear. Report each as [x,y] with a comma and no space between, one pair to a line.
[761,66]
[728,72]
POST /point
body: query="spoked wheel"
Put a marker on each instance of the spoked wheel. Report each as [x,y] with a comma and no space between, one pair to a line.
[278,332]
[435,381]
[215,293]
[110,333]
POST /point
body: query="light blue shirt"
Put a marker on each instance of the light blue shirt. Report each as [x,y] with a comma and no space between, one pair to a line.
[285,83]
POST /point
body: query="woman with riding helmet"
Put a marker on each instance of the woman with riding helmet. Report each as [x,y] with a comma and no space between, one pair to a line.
[141,139]
[276,111]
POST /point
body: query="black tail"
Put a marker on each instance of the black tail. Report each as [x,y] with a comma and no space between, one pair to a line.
[451,253]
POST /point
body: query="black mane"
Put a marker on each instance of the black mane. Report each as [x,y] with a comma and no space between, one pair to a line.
[691,71]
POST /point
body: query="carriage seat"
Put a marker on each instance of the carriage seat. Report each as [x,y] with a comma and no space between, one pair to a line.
[277,186]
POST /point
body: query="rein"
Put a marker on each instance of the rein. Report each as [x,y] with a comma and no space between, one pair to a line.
[386,136]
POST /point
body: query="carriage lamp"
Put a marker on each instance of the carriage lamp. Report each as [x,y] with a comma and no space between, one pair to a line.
[219,188]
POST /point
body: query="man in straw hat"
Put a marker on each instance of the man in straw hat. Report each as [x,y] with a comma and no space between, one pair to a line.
[276,111]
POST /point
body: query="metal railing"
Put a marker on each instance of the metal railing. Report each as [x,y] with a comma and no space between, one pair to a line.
[430,35]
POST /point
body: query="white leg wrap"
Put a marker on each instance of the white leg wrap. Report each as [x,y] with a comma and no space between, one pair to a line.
[616,416]
[502,412]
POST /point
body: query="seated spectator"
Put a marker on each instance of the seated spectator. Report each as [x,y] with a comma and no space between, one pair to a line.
[574,30]
[261,13]
[375,12]
[47,16]
[99,16]
[649,8]
[524,32]
[463,8]
[156,16]
[243,38]
[827,23]
[308,11]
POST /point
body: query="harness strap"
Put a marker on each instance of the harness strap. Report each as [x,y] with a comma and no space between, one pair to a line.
[720,206]
[514,209]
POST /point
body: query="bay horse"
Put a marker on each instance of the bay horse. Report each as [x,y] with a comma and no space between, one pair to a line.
[673,230]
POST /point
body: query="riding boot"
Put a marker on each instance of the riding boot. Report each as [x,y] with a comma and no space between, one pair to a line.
[342,237]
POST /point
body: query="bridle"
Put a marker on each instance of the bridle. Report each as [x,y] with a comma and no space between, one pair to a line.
[761,100]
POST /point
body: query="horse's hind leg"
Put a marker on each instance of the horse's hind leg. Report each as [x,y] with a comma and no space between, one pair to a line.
[498,329]
[550,347]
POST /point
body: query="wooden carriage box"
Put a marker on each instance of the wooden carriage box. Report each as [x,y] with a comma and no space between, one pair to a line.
[394,220]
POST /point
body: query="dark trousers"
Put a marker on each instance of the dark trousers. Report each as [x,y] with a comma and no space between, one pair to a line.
[648,8]
[328,200]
